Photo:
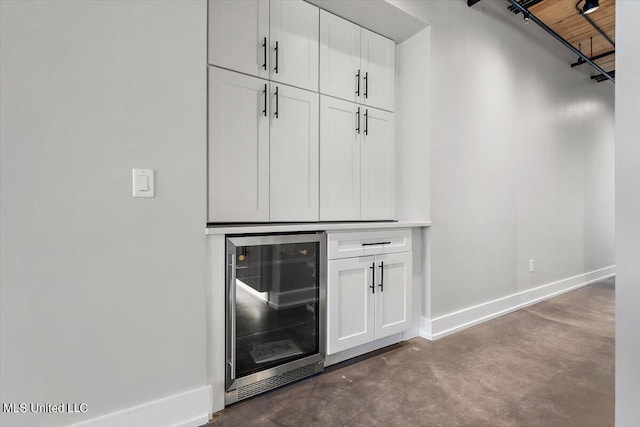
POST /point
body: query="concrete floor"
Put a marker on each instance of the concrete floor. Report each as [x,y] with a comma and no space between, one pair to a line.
[551,364]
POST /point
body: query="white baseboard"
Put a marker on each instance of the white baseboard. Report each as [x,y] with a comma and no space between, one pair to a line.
[187,409]
[438,327]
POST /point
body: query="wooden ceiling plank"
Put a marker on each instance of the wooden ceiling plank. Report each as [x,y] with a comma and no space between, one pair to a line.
[562,17]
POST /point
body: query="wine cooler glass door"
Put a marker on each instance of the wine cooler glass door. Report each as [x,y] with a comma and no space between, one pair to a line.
[274,290]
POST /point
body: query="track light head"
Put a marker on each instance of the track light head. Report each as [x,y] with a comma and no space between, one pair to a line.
[590,6]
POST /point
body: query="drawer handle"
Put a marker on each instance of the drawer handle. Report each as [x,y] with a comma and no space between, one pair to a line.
[376,243]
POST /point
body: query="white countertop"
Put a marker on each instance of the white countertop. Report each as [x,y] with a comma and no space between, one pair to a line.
[311,226]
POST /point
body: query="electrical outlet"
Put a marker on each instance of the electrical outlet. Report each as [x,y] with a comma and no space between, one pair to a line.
[532,265]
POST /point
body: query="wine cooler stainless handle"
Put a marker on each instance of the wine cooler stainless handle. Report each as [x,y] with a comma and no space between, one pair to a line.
[381,276]
[358,83]
[373,277]
[277,108]
[358,121]
[264,51]
[232,317]
[275,67]
[264,92]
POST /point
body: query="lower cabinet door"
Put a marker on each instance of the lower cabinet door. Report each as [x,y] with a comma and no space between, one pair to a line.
[350,303]
[393,293]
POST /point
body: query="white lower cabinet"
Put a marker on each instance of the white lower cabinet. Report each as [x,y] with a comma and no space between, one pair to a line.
[368,298]
[393,302]
[350,303]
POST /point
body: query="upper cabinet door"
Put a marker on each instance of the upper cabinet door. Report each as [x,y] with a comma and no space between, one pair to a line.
[378,59]
[294,43]
[294,154]
[238,147]
[341,124]
[238,35]
[378,165]
[339,57]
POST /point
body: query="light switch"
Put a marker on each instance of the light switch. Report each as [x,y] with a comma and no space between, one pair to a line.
[143,183]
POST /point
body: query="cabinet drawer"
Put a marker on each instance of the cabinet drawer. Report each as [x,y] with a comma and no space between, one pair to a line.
[347,244]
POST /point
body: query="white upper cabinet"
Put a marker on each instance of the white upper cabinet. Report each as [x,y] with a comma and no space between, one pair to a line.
[378,165]
[278,150]
[340,125]
[339,57]
[238,35]
[294,43]
[294,154]
[238,147]
[357,162]
[378,70]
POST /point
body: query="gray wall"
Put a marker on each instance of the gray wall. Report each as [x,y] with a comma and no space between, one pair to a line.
[102,295]
[627,213]
[521,157]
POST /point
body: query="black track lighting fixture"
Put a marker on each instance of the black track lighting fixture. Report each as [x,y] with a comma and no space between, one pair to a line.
[589,6]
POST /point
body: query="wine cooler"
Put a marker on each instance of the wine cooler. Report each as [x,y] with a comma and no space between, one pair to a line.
[276,294]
